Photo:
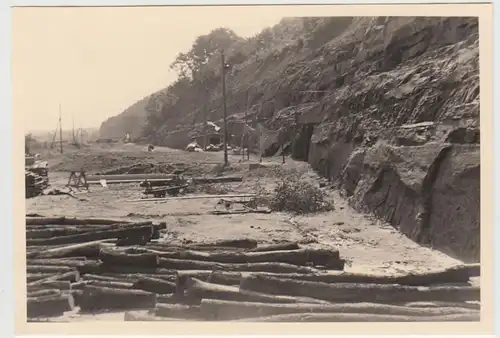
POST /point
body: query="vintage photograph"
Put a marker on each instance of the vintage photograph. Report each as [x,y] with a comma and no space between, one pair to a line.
[187,167]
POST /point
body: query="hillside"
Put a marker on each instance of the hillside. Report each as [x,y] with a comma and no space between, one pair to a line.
[388,108]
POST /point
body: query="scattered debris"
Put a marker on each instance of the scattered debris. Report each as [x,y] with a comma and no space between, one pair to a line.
[36,177]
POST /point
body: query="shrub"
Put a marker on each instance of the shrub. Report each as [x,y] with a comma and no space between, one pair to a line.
[296,195]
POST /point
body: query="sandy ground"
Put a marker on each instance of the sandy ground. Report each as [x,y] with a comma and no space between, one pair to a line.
[368,245]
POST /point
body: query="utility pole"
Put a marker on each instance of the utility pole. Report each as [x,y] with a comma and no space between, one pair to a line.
[223,75]
[60,130]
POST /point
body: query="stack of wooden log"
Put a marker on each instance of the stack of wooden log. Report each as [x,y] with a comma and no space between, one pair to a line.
[101,265]
[36,180]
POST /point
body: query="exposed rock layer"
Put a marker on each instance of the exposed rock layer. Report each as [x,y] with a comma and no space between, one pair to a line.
[387,107]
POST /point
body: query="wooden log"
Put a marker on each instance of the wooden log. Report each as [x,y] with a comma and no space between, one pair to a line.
[182,277]
[143,316]
[156,285]
[77,294]
[55,262]
[89,276]
[222,179]
[363,317]
[70,276]
[178,311]
[182,264]
[243,243]
[276,247]
[128,177]
[351,292]
[224,278]
[133,277]
[48,269]
[168,248]
[63,231]
[49,306]
[467,305]
[110,257]
[129,231]
[196,289]
[105,284]
[60,285]
[44,292]
[176,298]
[100,298]
[458,274]
[98,268]
[72,261]
[328,258]
[229,310]
[166,199]
[70,221]
[90,250]
[31,277]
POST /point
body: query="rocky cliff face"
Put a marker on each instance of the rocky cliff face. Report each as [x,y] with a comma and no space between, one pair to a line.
[388,108]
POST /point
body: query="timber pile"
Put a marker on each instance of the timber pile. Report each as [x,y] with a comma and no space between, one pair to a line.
[36,180]
[102,265]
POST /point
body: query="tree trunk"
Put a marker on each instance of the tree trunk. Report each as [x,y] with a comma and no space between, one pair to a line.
[102,268]
[182,264]
[156,285]
[48,269]
[89,250]
[49,306]
[108,256]
[70,221]
[31,277]
[178,311]
[182,277]
[277,247]
[63,231]
[224,278]
[133,277]
[352,292]
[56,262]
[169,248]
[244,243]
[198,290]
[104,284]
[100,298]
[127,232]
[454,275]
[44,292]
[70,276]
[363,317]
[176,298]
[230,310]
[60,285]
[296,257]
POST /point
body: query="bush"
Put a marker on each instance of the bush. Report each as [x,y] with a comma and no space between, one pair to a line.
[299,196]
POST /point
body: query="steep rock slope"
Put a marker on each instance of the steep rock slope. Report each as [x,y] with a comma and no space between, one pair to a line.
[388,108]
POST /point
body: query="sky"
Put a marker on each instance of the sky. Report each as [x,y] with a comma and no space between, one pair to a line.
[95,62]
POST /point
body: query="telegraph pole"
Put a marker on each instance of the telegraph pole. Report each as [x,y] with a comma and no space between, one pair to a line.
[223,75]
[60,130]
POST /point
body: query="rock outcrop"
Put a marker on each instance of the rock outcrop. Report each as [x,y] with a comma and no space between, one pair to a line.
[388,108]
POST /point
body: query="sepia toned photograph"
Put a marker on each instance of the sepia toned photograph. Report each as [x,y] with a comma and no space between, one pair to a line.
[250,167]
